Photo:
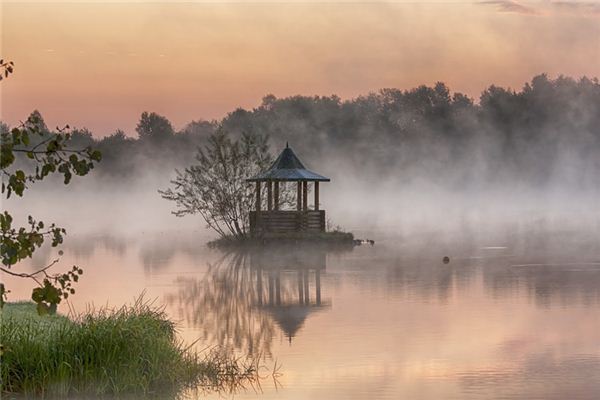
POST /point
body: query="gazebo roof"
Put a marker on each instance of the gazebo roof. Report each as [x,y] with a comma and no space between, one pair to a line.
[290,318]
[287,167]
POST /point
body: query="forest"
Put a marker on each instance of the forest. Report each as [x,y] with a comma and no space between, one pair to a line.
[543,135]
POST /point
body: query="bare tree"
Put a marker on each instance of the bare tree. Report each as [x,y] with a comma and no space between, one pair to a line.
[215,187]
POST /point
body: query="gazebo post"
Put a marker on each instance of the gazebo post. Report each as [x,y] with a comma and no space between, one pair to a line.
[276,198]
[271,288]
[278,287]
[269,195]
[259,286]
[316,195]
[306,293]
[305,195]
[318,285]
[300,288]
[258,199]
[299,192]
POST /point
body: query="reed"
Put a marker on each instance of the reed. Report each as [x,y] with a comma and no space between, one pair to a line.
[133,349]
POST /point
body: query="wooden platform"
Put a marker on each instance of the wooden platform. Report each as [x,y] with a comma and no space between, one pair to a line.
[269,223]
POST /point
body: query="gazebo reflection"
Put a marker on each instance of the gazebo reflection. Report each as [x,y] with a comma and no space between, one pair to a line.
[288,285]
[247,296]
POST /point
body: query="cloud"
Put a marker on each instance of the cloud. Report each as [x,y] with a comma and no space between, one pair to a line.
[511,6]
[585,8]
[577,7]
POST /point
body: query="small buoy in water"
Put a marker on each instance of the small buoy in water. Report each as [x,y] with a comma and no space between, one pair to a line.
[446,259]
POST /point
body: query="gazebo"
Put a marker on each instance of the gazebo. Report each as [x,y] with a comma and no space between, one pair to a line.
[272,221]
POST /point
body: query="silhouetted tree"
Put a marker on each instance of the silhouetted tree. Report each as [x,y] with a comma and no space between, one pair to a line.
[529,136]
[154,127]
[215,186]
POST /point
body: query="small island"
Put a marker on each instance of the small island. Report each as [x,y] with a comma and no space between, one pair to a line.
[288,218]
[226,187]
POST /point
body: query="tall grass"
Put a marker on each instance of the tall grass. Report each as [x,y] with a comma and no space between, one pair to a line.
[133,349]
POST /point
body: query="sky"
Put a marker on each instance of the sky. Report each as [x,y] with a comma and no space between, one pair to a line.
[100,65]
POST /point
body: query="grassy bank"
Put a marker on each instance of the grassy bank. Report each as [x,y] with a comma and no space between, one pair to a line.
[133,349]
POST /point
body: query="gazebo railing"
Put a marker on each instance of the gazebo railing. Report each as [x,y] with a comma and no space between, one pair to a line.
[263,223]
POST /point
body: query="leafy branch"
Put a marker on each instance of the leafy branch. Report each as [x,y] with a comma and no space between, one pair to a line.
[51,154]
[6,68]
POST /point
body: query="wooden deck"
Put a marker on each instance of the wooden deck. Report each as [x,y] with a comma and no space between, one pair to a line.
[268,223]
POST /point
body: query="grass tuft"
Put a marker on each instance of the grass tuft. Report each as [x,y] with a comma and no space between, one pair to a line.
[133,349]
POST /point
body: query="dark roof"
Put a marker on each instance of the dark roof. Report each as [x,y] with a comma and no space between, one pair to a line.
[288,167]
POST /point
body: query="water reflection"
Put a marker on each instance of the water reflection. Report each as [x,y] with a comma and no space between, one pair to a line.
[283,285]
[513,315]
[549,268]
[547,285]
[544,282]
[158,251]
[247,297]
[221,305]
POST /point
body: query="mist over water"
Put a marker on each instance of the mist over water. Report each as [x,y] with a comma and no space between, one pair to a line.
[92,205]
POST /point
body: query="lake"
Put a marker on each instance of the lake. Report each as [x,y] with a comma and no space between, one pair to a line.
[515,314]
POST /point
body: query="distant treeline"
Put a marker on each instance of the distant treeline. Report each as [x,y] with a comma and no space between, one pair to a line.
[546,133]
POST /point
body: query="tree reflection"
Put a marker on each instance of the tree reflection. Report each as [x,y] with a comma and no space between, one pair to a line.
[222,305]
[157,251]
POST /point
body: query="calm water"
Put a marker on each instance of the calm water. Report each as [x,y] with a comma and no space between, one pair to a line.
[514,315]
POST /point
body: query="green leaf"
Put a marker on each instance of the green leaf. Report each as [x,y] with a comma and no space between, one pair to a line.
[42,309]
[52,295]
[25,138]
[2,294]
[96,155]
[67,177]
[7,156]
[37,295]
[16,136]
[52,146]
